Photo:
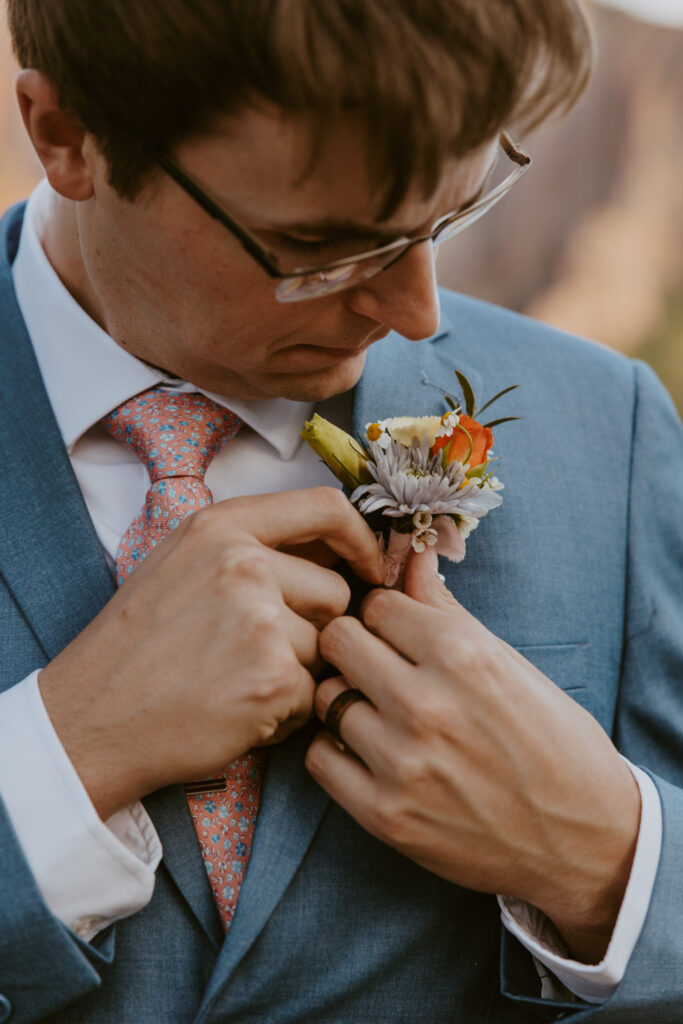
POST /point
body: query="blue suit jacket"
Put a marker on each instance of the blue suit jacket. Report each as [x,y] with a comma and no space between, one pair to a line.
[581,569]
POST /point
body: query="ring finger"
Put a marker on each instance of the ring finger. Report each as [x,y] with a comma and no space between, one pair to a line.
[360,726]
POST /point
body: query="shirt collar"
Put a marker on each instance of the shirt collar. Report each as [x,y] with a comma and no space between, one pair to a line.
[86,374]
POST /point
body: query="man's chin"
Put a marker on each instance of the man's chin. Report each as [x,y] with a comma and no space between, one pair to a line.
[316,385]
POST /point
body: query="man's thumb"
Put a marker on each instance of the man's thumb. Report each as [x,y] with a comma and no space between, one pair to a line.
[421,580]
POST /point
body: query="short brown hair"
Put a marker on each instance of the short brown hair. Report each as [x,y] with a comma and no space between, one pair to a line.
[429,78]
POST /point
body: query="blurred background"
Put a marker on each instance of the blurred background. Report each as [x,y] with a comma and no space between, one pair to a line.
[591,239]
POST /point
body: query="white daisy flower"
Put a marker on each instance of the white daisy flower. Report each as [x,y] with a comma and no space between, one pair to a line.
[409,480]
[449,422]
[377,434]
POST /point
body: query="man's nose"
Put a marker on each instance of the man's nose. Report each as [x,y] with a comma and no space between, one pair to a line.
[403,297]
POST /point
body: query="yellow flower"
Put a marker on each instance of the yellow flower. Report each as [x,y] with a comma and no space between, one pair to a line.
[338,450]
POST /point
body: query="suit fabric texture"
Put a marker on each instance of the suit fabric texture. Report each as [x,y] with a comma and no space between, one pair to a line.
[581,569]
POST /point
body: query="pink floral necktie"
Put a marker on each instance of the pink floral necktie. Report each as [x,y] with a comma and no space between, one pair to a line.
[176,436]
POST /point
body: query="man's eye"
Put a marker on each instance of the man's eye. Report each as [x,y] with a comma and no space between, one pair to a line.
[311,245]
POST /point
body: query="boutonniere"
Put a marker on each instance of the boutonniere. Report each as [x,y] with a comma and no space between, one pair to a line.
[421,481]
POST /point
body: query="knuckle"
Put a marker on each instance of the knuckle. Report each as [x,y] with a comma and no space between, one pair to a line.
[263,624]
[243,563]
[470,659]
[427,713]
[378,606]
[390,817]
[404,768]
[278,682]
[336,635]
[337,598]
[408,702]
[333,502]
[201,525]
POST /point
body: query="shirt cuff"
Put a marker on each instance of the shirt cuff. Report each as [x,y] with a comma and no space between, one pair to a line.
[595,983]
[90,873]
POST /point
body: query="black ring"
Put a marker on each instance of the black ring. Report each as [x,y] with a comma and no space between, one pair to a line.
[338,708]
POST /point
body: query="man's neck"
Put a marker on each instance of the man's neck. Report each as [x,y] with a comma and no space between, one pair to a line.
[60,238]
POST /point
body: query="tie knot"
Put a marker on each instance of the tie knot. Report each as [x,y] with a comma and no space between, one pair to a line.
[173,434]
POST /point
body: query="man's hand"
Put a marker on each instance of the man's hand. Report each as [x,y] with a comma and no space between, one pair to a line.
[473,763]
[210,648]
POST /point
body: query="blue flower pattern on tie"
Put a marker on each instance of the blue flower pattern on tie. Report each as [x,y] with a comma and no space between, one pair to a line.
[176,435]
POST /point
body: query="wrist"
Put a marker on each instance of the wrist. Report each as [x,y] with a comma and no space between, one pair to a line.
[107,776]
[585,912]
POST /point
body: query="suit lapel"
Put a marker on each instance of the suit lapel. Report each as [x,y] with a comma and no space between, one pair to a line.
[170,812]
[405,378]
[292,806]
[50,555]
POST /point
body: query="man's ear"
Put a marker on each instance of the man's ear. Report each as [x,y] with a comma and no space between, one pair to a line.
[57,138]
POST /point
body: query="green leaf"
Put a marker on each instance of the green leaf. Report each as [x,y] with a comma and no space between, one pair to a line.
[505,419]
[363,445]
[496,397]
[445,452]
[469,438]
[467,393]
[451,403]
[344,473]
[482,470]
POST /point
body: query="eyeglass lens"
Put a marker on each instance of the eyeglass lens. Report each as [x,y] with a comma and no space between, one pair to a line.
[325,282]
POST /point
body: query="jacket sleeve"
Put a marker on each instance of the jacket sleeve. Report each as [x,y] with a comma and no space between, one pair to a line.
[648,727]
[43,965]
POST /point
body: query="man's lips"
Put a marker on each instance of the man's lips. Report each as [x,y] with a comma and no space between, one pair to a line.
[320,354]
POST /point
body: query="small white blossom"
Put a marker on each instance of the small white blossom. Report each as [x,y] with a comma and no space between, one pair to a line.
[424,539]
[448,424]
[384,439]
[422,520]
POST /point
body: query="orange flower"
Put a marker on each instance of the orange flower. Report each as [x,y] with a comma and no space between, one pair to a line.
[482,441]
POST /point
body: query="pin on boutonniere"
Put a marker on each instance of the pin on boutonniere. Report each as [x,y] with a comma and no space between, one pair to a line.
[431,476]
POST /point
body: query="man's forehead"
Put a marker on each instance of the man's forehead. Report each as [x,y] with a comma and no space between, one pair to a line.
[271,168]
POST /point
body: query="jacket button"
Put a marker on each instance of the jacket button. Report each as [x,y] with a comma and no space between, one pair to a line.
[5,1008]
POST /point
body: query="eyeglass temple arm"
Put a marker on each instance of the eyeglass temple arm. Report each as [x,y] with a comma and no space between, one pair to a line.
[513,150]
[214,210]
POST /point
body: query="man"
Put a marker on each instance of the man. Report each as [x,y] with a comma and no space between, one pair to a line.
[353,881]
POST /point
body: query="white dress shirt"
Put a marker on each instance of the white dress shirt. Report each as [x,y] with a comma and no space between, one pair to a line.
[90,872]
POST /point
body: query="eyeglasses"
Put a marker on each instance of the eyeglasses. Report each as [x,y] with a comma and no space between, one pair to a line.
[347,270]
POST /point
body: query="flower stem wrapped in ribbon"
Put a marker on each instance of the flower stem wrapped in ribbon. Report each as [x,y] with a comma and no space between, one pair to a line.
[430,476]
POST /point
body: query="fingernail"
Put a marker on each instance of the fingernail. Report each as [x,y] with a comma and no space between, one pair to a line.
[441,577]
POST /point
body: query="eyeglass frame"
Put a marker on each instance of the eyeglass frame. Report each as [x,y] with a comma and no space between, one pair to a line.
[269,261]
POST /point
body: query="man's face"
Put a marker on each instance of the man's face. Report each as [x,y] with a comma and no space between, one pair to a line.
[173,287]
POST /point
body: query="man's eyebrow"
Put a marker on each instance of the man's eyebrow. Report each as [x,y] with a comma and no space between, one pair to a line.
[332,229]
